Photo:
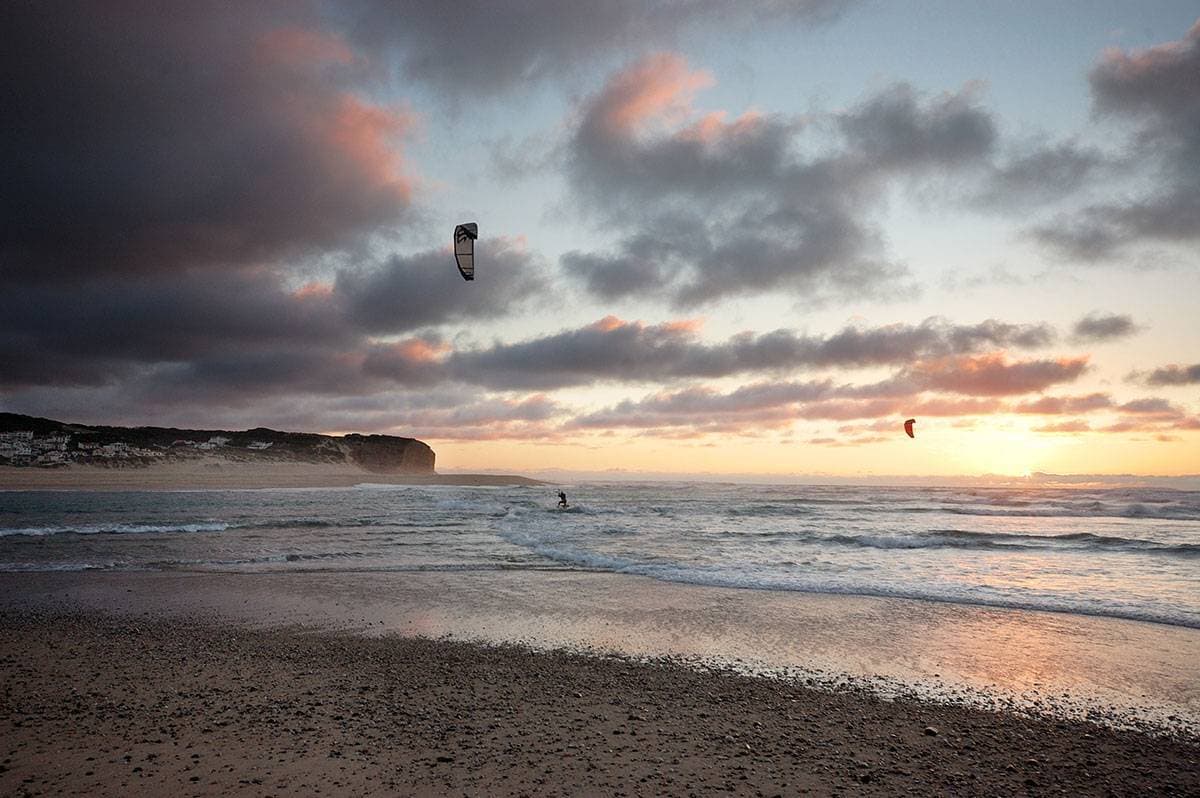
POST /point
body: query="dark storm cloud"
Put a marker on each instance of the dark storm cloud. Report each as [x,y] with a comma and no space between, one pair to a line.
[612,350]
[1097,327]
[708,207]
[477,48]
[236,377]
[426,413]
[242,328]
[1158,90]
[153,138]
[411,291]
[168,318]
[26,361]
[411,362]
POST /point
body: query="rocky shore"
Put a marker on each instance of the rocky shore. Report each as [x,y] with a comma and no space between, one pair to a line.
[100,704]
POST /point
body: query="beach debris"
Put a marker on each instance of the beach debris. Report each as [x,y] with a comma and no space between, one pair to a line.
[931,731]
[908,427]
[464,248]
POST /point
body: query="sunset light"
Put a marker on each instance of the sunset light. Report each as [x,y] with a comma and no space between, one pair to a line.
[617,398]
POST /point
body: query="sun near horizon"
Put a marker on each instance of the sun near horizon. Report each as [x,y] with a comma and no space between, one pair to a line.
[691,252]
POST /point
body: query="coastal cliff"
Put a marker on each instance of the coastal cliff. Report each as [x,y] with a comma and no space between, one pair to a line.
[27,441]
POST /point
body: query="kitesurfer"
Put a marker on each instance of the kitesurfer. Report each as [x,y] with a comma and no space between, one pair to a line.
[562,500]
[464,248]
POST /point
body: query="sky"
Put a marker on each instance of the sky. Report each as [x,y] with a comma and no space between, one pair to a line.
[715,239]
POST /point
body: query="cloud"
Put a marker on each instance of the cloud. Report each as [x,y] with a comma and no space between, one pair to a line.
[768,405]
[1099,327]
[60,337]
[613,350]
[1137,424]
[898,129]
[991,375]
[1060,405]
[531,417]
[898,408]
[1040,173]
[428,413]
[1170,375]
[1075,425]
[752,406]
[157,139]
[480,49]
[423,289]
[1156,90]
[707,206]
[1150,406]
[108,326]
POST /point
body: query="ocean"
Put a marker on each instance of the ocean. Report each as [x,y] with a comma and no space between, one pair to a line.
[1129,553]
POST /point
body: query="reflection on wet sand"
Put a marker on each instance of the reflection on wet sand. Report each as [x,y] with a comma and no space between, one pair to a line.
[1080,665]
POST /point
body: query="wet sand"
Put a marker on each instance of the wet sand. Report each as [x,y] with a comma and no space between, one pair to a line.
[116,705]
[1123,673]
[304,684]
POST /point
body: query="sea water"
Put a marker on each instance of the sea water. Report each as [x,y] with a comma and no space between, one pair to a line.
[1128,553]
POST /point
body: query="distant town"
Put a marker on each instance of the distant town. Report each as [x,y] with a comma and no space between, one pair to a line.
[28,441]
[26,448]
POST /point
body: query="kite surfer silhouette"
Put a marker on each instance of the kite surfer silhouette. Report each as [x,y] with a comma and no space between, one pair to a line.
[562,500]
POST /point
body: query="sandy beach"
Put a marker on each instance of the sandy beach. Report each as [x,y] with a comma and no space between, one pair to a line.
[109,705]
[212,684]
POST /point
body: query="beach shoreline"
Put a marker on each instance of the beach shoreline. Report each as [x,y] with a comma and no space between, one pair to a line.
[220,474]
[111,704]
[1121,673]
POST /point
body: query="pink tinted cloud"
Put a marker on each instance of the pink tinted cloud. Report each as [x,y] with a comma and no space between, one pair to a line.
[1134,70]
[1060,405]
[656,88]
[861,440]
[420,350]
[946,406]
[882,425]
[491,419]
[1075,425]
[367,138]
[301,47]
[314,290]
[712,129]
[837,410]
[1154,423]
[359,141]
[610,323]
[688,326]
[995,375]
